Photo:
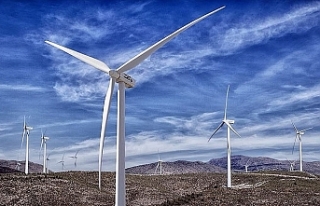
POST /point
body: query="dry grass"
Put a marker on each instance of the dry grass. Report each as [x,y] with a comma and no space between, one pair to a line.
[81,188]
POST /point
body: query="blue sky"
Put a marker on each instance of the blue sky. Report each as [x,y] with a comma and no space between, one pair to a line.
[267,51]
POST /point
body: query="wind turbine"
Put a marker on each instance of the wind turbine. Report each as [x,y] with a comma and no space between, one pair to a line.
[299,133]
[44,140]
[48,159]
[123,80]
[228,122]
[75,158]
[292,164]
[18,166]
[62,162]
[247,165]
[26,132]
[159,165]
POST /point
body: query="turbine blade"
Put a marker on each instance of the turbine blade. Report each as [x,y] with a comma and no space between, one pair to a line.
[294,126]
[87,59]
[229,125]
[294,143]
[247,162]
[24,130]
[146,53]
[23,134]
[215,131]
[24,122]
[226,106]
[41,146]
[306,129]
[106,108]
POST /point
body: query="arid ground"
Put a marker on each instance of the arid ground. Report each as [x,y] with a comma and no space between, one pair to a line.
[81,188]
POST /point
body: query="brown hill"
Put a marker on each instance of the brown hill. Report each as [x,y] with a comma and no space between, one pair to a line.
[238,163]
[218,165]
[177,167]
[18,166]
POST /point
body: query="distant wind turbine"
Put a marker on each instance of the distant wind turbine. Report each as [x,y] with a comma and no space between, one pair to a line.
[228,122]
[48,159]
[62,162]
[247,165]
[299,133]
[292,164]
[75,157]
[44,140]
[159,165]
[123,80]
[18,166]
[26,133]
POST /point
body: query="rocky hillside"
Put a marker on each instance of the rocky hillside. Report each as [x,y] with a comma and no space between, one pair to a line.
[7,166]
[238,163]
[177,167]
[218,165]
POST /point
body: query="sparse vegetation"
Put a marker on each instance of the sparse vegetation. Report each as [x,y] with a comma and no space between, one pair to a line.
[81,188]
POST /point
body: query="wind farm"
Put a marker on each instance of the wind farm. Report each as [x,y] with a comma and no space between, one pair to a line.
[171,64]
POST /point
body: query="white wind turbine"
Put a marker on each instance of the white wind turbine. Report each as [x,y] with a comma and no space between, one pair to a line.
[228,122]
[48,159]
[44,140]
[62,162]
[299,133]
[123,80]
[26,132]
[292,164]
[247,165]
[159,165]
[75,157]
[18,166]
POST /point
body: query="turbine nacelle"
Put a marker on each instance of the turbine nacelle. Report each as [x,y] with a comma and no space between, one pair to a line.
[229,121]
[28,128]
[122,77]
[45,138]
[128,80]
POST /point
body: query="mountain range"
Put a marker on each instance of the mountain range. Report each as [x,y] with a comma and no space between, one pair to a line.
[216,165]
[219,165]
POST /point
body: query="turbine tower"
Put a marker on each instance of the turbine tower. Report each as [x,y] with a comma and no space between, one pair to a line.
[26,133]
[123,80]
[44,140]
[299,133]
[228,122]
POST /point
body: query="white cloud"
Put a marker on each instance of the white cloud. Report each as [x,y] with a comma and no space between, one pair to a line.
[28,88]
[249,31]
[307,94]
